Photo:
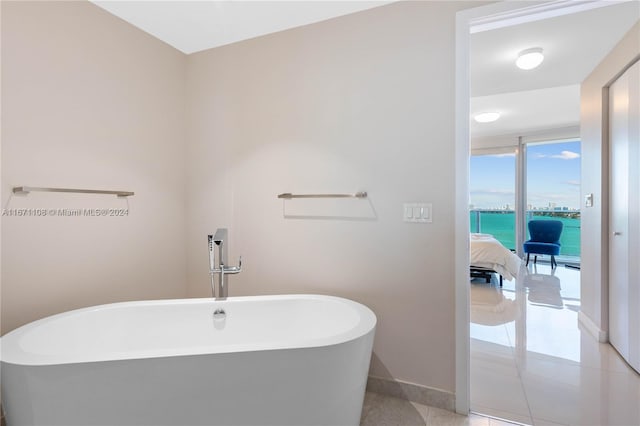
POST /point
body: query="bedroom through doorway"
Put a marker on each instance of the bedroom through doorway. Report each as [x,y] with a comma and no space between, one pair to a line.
[529,360]
[517,323]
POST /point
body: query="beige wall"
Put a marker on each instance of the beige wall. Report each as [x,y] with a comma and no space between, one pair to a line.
[362,102]
[88,101]
[595,158]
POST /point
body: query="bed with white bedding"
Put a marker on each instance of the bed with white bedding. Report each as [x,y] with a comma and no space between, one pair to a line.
[488,255]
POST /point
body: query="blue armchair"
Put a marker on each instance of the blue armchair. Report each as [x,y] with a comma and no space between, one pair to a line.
[544,239]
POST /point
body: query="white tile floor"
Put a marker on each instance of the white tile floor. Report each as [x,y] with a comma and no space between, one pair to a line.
[382,410]
[531,363]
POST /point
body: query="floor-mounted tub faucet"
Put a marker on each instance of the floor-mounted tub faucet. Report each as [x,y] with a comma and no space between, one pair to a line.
[220,240]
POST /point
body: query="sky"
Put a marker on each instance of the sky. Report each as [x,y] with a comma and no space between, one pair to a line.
[553,171]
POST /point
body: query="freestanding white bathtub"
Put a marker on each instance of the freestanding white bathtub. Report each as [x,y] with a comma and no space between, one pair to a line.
[274,360]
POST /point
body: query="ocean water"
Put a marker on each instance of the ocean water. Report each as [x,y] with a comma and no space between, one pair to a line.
[502,226]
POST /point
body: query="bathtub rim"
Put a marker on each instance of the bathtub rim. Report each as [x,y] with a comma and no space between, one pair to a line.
[11,352]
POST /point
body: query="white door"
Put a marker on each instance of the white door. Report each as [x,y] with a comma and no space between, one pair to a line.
[624,215]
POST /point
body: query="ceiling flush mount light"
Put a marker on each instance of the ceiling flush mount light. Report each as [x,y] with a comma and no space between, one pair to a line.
[530,58]
[486,117]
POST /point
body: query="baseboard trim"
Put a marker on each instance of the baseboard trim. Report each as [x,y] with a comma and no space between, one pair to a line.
[412,392]
[592,328]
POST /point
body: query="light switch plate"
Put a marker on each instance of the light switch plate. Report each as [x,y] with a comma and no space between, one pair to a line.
[588,200]
[417,212]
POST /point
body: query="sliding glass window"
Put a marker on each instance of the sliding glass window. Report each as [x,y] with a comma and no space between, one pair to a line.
[510,186]
[553,189]
[492,197]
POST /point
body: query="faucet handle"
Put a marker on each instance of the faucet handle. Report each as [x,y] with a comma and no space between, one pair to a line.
[234,269]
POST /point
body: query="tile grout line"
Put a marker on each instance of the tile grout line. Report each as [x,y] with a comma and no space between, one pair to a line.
[517,364]
[499,418]
[524,391]
[512,354]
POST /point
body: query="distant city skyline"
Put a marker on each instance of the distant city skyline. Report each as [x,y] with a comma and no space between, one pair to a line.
[553,180]
[508,207]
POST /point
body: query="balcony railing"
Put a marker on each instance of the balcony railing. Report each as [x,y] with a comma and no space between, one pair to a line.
[502,224]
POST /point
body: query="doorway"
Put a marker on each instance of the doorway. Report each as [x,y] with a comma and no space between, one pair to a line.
[486,17]
[529,321]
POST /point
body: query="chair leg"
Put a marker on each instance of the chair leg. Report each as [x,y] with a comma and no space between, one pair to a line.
[553,262]
[527,264]
[500,280]
[535,259]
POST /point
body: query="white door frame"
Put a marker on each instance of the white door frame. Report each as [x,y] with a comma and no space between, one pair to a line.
[483,18]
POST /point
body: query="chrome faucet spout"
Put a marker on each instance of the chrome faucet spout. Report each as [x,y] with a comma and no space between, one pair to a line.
[218,240]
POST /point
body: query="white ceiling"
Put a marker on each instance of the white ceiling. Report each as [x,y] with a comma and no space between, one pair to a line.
[573,46]
[543,98]
[528,111]
[192,26]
